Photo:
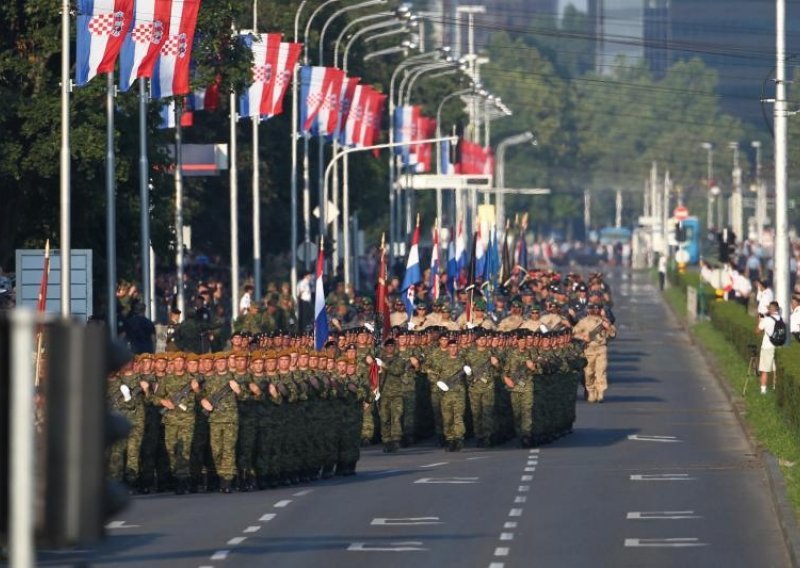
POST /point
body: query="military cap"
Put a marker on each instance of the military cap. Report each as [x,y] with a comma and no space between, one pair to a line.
[256,355]
[284,354]
[441,302]
[350,346]
[516,303]
[270,355]
[536,308]
[452,341]
[206,356]
[219,355]
[144,356]
[162,355]
[525,291]
[192,357]
[480,304]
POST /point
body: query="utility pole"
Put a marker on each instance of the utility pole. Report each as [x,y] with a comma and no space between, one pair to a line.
[761,195]
[587,212]
[618,206]
[736,197]
[781,283]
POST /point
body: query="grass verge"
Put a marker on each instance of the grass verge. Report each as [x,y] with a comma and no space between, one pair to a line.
[760,411]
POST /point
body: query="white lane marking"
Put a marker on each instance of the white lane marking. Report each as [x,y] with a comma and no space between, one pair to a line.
[410,546]
[437,464]
[532,462]
[515,513]
[506,536]
[266,518]
[237,540]
[120,525]
[496,565]
[302,493]
[530,469]
[452,480]
[252,529]
[282,504]
[478,458]
[644,515]
[640,438]
[661,477]
[526,478]
[510,525]
[520,499]
[501,551]
[523,488]
[663,542]
[220,555]
[533,451]
[407,521]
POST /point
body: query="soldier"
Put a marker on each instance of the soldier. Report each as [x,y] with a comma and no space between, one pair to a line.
[126,396]
[451,371]
[177,400]
[519,382]
[419,317]
[596,331]
[513,320]
[264,368]
[355,397]
[220,402]
[155,464]
[480,387]
[412,356]
[200,451]
[553,319]
[246,439]
[290,451]
[398,317]
[390,404]
[534,320]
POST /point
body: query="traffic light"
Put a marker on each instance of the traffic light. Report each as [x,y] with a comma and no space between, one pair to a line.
[79,429]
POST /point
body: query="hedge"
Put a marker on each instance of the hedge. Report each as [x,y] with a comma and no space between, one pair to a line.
[738,327]
[682,280]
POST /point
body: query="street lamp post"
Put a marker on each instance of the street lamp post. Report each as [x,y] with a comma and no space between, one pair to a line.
[761,194]
[709,147]
[500,176]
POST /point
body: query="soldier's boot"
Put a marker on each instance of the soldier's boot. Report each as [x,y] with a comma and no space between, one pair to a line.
[458,445]
[327,471]
[225,486]
[525,442]
[592,396]
[387,447]
[181,486]
[365,442]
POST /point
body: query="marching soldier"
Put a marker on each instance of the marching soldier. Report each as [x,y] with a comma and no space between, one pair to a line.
[595,331]
[519,382]
[480,387]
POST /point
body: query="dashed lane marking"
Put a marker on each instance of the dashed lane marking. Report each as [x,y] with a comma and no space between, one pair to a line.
[520,499]
[667,515]
[302,493]
[526,478]
[407,521]
[523,488]
[663,542]
[237,540]
[282,504]
[451,480]
[510,525]
[266,518]
[506,536]
[120,525]
[661,477]
[530,469]
[496,565]
[220,555]
[252,529]
[663,439]
[501,551]
[515,513]
[409,546]
[478,458]
[437,464]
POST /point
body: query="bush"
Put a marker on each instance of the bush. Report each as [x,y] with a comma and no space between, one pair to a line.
[682,280]
[737,326]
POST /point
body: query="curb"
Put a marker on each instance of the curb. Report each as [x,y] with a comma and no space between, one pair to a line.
[775,481]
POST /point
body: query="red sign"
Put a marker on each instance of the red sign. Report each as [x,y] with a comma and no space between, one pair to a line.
[681,213]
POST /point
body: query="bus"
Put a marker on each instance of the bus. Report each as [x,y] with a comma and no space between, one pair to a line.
[691,245]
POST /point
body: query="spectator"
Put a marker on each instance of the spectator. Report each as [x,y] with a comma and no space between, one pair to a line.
[306,315]
[139,331]
[794,318]
[766,358]
[662,271]
[246,300]
[764,296]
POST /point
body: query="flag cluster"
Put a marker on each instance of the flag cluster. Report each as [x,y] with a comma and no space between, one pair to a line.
[410,127]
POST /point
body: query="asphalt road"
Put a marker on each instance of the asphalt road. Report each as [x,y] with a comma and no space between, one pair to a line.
[661,474]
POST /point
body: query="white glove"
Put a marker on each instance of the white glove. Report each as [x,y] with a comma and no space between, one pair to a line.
[126,392]
[370,327]
[471,325]
[377,396]
[468,370]
[543,328]
[379,362]
[442,386]
[411,324]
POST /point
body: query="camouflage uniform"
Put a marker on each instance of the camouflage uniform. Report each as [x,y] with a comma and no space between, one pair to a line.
[178,424]
[480,388]
[521,391]
[223,425]
[125,454]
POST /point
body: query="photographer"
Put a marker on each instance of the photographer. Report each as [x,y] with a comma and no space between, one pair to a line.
[767,324]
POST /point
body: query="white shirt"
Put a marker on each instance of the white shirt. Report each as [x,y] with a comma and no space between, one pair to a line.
[764,297]
[794,321]
[662,264]
[304,290]
[244,303]
[767,325]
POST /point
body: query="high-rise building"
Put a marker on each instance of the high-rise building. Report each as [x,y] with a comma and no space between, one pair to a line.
[657,33]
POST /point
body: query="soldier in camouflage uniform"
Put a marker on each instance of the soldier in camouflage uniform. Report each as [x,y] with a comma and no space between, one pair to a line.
[450,372]
[390,404]
[355,397]
[290,458]
[480,388]
[221,394]
[519,381]
[264,369]
[246,439]
[154,461]
[126,396]
[177,400]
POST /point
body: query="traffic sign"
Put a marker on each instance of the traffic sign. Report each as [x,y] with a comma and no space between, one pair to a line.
[681,213]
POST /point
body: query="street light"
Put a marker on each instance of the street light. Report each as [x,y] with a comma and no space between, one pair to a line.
[709,147]
[500,181]
[761,195]
[335,15]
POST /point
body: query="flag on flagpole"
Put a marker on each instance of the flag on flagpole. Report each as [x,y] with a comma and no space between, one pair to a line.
[413,273]
[434,283]
[452,266]
[142,45]
[42,300]
[461,247]
[171,72]
[478,253]
[265,48]
[320,317]
[101,29]
[383,326]
[471,276]
[288,54]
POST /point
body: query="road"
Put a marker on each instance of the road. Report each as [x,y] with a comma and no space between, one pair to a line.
[661,474]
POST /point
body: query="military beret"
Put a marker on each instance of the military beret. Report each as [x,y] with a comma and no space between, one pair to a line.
[192,357]
[144,356]
[350,346]
[220,355]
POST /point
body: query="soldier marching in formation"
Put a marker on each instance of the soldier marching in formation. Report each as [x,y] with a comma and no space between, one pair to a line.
[272,411]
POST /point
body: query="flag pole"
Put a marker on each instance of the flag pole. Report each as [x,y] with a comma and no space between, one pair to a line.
[41,309]
[179,209]
[256,194]
[111,217]
[144,199]
[234,206]
[64,185]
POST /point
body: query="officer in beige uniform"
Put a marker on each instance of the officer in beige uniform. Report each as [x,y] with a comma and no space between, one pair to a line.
[595,331]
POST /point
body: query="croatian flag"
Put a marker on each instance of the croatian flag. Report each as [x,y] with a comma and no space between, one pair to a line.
[452,267]
[171,72]
[405,125]
[351,134]
[480,257]
[434,283]
[346,102]
[142,45]
[413,273]
[265,48]
[461,247]
[372,119]
[288,54]
[444,154]
[320,88]
[328,117]
[102,26]
[320,317]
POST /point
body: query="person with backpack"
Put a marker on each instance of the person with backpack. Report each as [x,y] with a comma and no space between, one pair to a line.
[774,335]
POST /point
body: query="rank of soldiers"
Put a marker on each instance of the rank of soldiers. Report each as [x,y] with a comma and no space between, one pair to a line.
[272,411]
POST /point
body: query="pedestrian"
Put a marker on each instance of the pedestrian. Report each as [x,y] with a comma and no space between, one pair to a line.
[662,271]
[794,318]
[764,296]
[139,331]
[766,359]
[246,300]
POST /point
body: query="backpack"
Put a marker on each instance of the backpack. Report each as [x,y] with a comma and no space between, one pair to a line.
[778,335]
